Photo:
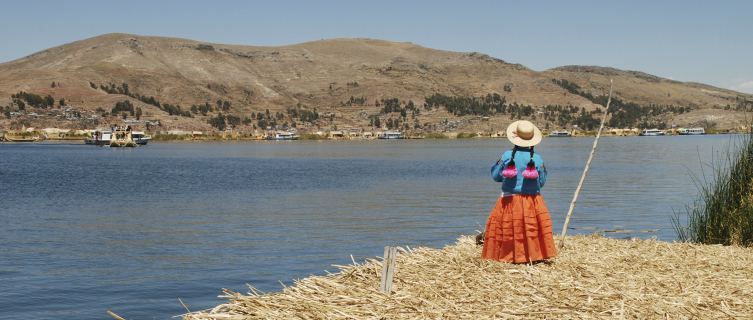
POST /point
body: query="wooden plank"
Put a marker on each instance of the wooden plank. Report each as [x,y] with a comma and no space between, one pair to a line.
[388,269]
[391,270]
[385,263]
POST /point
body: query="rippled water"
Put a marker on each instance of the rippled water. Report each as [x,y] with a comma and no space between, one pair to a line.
[85,229]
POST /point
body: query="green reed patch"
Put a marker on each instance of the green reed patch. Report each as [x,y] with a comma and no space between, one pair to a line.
[435,136]
[464,135]
[312,136]
[170,137]
[723,211]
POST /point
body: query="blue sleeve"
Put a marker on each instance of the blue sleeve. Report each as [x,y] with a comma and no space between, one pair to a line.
[500,165]
[542,175]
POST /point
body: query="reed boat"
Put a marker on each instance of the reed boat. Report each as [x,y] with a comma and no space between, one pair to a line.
[21,139]
[122,139]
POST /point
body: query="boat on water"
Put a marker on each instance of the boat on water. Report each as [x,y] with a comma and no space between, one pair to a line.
[282,135]
[21,139]
[140,137]
[652,132]
[104,137]
[560,134]
[100,137]
[391,135]
[691,131]
[122,138]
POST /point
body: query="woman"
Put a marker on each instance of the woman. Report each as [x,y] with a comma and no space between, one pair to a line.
[519,228]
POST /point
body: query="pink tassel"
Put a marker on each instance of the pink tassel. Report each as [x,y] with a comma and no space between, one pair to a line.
[510,172]
[530,173]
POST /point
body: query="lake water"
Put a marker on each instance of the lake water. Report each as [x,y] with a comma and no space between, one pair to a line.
[85,229]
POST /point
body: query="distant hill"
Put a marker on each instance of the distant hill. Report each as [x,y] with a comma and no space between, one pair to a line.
[343,79]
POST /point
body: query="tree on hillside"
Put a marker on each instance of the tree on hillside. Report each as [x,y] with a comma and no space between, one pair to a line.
[508,87]
[61,102]
[218,121]
[122,106]
[233,120]
[53,84]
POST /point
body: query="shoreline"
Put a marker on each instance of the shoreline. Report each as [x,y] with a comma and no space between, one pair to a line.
[593,276]
[187,138]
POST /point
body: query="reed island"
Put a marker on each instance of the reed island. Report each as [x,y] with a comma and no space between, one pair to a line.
[593,277]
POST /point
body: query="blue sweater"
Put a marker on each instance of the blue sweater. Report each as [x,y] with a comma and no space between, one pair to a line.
[520,185]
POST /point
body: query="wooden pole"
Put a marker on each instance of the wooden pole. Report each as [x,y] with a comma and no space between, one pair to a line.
[588,164]
[388,269]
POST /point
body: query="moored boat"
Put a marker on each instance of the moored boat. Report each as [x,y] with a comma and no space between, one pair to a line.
[691,131]
[100,137]
[140,137]
[391,135]
[282,135]
[560,134]
[652,132]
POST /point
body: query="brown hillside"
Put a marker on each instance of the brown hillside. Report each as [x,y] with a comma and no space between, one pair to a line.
[186,72]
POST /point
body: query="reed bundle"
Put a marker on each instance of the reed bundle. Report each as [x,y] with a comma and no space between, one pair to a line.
[595,277]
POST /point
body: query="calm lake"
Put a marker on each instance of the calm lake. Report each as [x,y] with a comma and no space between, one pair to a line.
[85,229]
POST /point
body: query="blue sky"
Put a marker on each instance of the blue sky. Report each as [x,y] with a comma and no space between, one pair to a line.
[698,41]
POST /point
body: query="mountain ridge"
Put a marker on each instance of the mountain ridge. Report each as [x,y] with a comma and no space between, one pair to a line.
[324,74]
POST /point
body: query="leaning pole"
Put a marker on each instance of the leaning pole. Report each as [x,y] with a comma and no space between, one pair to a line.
[588,164]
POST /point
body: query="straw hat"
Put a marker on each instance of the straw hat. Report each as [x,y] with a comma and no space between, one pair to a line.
[523,133]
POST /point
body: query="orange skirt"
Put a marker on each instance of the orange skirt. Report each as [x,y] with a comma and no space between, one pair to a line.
[519,230]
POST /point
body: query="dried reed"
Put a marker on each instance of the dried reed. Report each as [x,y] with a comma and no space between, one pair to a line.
[595,277]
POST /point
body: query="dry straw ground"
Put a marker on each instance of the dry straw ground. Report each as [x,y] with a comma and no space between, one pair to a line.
[594,277]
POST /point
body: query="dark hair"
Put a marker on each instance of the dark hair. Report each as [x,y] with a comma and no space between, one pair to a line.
[530,163]
[512,158]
